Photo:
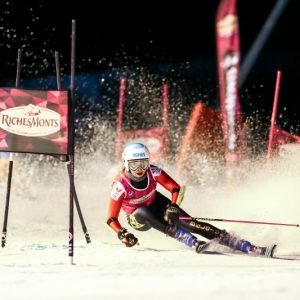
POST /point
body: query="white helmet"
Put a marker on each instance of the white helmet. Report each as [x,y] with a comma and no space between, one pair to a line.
[134,151]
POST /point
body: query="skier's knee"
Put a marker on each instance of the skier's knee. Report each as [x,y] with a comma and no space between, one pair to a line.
[137,222]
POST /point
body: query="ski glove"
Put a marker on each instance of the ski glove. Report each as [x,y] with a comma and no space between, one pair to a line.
[172,213]
[128,239]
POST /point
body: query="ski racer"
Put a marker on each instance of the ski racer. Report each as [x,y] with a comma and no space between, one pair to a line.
[134,191]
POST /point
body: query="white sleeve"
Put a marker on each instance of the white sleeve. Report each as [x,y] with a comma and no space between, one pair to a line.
[156,171]
[117,190]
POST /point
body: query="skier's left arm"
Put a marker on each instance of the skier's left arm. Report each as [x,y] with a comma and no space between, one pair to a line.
[172,209]
[169,184]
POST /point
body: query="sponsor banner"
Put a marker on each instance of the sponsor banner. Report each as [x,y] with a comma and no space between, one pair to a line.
[284,137]
[155,139]
[34,121]
[228,52]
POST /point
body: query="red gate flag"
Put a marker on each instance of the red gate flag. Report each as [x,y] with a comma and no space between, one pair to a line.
[155,138]
[228,52]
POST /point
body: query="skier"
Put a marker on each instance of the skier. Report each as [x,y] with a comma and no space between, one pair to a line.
[134,191]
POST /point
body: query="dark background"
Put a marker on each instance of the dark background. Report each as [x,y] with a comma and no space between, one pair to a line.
[174,41]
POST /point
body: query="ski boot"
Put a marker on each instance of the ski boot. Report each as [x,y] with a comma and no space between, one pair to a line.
[200,246]
[234,242]
[187,238]
[264,251]
[184,237]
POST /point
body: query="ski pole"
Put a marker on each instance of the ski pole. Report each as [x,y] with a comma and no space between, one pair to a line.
[238,221]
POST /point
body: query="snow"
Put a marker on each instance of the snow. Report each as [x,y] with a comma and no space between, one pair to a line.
[35,263]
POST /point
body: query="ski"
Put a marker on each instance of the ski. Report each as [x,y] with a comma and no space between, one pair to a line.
[278,257]
[286,257]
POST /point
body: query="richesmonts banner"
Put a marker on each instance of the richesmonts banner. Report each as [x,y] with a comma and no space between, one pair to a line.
[34,121]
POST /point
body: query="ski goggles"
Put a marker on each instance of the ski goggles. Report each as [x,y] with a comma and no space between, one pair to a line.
[133,165]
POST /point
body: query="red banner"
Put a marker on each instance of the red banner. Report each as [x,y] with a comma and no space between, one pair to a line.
[282,137]
[228,52]
[155,138]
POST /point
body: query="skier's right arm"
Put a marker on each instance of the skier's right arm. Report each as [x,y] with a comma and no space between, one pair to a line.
[115,204]
[113,214]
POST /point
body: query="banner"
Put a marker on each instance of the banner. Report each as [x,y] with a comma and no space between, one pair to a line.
[228,53]
[156,138]
[198,137]
[282,137]
[34,121]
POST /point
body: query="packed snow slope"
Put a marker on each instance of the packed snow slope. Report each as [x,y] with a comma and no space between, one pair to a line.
[35,263]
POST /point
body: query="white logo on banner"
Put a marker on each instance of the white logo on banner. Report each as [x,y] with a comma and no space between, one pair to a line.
[229,64]
[30,120]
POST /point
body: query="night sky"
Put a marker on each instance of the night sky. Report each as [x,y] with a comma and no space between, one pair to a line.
[113,35]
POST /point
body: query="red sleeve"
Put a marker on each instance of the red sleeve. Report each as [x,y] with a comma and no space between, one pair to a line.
[114,207]
[169,184]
